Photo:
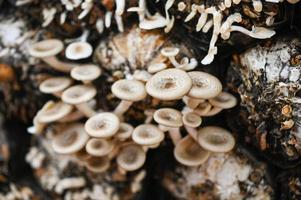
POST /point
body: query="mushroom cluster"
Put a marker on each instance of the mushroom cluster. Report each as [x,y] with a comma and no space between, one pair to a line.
[106,136]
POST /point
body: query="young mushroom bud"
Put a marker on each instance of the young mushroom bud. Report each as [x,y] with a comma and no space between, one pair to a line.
[85,73]
[99,147]
[147,135]
[191,121]
[47,51]
[78,50]
[190,153]
[128,91]
[215,139]
[70,140]
[102,125]
[53,112]
[97,164]
[169,120]
[79,95]
[169,84]
[55,85]
[131,157]
[125,131]
[224,100]
[171,53]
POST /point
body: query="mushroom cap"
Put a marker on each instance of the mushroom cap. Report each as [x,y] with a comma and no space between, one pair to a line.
[85,72]
[97,164]
[129,90]
[55,84]
[147,135]
[169,84]
[170,51]
[102,125]
[156,67]
[131,157]
[190,153]
[71,140]
[78,94]
[141,75]
[203,108]
[168,117]
[215,139]
[53,112]
[78,50]
[99,147]
[224,100]
[46,48]
[125,131]
[204,85]
[192,119]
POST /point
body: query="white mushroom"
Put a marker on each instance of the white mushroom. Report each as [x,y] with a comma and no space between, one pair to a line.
[86,73]
[55,85]
[131,157]
[78,50]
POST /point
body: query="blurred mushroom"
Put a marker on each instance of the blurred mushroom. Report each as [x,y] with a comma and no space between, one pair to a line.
[203,108]
[147,135]
[125,131]
[85,73]
[190,153]
[141,75]
[191,121]
[215,139]
[223,100]
[53,112]
[78,50]
[169,84]
[171,53]
[99,147]
[79,95]
[156,67]
[55,85]
[102,125]
[97,164]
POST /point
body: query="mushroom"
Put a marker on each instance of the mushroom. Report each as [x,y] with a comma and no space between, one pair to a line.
[203,108]
[131,157]
[257,4]
[149,113]
[256,32]
[190,153]
[147,135]
[141,75]
[85,73]
[204,86]
[102,125]
[71,140]
[171,53]
[78,50]
[153,22]
[125,131]
[47,50]
[213,111]
[169,120]
[156,67]
[99,147]
[97,164]
[169,84]
[191,121]
[79,95]
[215,139]
[53,112]
[55,85]
[128,91]
[223,100]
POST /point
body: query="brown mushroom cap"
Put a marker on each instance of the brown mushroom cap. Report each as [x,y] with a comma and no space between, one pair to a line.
[147,135]
[46,48]
[78,94]
[99,147]
[168,117]
[55,84]
[78,50]
[190,153]
[131,157]
[169,84]
[102,125]
[85,72]
[53,112]
[204,85]
[129,90]
[71,140]
[97,164]
[125,131]
[215,139]
[224,100]
[192,119]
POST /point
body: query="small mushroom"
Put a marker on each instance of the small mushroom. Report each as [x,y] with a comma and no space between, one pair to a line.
[213,111]
[156,67]
[131,157]
[169,120]
[125,131]
[78,50]
[203,108]
[53,112]
[102,125]
[153,22]
[190,153]
[70,140]
[224,100]
[55,85]
[128,91]
[191,121]
[99,147]
[79,95]
[97,164]
[47,50]
[85,73]
[147,135]
[169,84]
[171,53]
[215,139]
[141,75]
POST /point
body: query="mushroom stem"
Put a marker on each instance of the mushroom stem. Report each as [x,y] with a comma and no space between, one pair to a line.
[192,132]
[174,133]
[122,107]
[173,61]
[85,109]
[57,65]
